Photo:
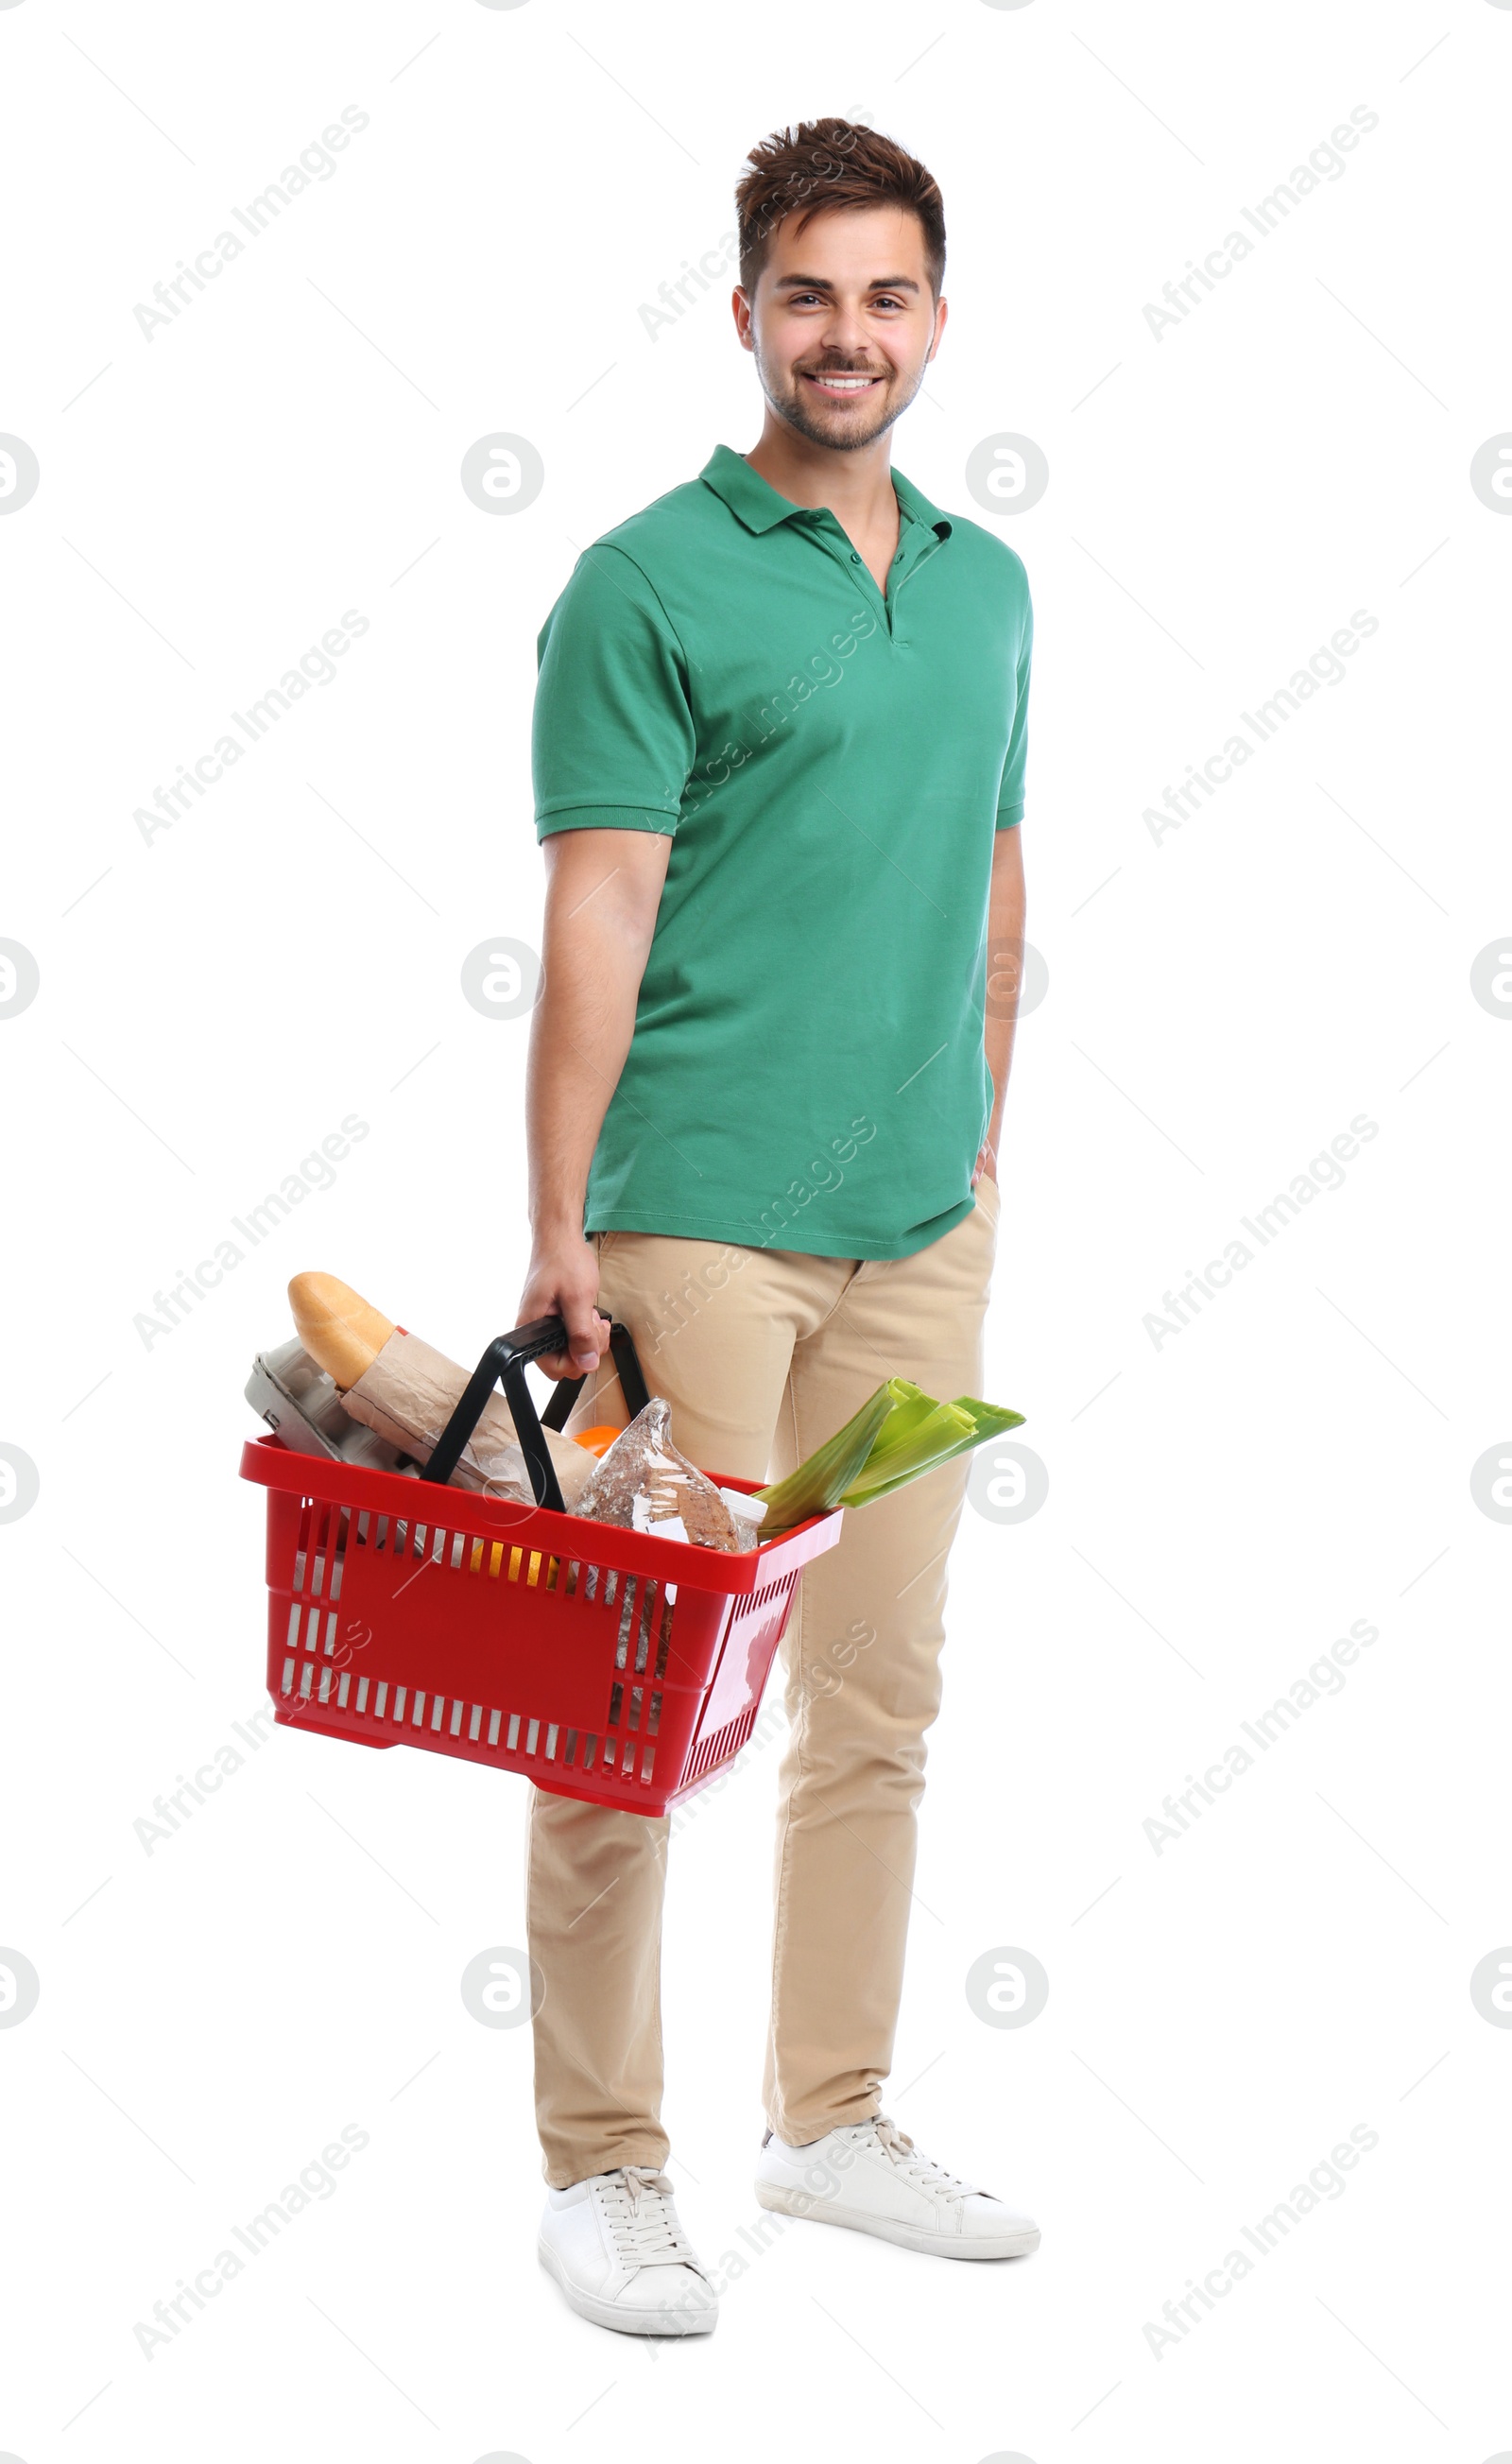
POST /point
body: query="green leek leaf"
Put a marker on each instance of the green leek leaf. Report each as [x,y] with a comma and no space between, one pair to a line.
[818,1482]
[949,1429]
[899,1434]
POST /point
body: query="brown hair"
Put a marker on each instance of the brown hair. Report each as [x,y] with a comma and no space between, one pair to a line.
[824,164]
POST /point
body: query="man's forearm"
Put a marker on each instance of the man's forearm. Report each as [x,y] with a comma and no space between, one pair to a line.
[580,1036]
[603,890]
[1005,923]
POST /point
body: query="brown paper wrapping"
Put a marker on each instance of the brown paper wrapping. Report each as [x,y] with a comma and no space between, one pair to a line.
[409,1393]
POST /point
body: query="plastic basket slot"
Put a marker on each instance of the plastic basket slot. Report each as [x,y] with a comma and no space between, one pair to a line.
[569,1751]
[301,1545]
[344,1689]
[287,1687]
[574,1570]
[553,1573]
[438,1712]
[312,1631]
[590,1588]
[398,1537]
[398,1702]
[616,1703]
[589,1748]
[339,1566]
[637,1696]
[330,1632]
[654,1717]
[553,1732]
[611,1586]
[417,1717]
[664,1640]
[512,1739]
[648,1757]
[306,1675]
[361,1693]
[381,1534]
[622,1641]
[363,1521]
[477,1723]
[379,1698]
[325,1684]
[495,1718]
[643,1631]
[293,1637]
[456,1719]
[323,1544]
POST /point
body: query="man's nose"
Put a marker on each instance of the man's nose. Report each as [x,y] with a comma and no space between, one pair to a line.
[845,335]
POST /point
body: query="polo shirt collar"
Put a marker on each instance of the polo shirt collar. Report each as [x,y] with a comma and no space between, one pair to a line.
[756,503]
[914,501]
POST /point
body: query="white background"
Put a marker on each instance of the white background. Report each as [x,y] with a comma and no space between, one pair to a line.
[1220,1004]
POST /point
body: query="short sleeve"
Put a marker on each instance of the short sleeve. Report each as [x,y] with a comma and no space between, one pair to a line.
[1010,792]
[612,737]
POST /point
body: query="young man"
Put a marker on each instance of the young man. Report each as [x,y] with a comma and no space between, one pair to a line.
[778,753]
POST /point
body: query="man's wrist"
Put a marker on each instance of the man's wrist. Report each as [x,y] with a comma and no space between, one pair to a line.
[553,1226]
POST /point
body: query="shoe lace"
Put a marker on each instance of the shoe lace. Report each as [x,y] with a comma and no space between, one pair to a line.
[636,2203]
[920,2170]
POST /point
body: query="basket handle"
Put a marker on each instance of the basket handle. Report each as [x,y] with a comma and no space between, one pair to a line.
[504,1363]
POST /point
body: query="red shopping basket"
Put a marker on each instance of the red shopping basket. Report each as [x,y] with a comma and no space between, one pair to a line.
[602,1663]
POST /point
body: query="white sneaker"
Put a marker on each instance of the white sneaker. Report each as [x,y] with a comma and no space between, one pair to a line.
[869,2176]
[616,2248]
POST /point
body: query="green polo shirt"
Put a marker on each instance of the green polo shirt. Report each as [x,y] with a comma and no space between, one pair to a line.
[831,763]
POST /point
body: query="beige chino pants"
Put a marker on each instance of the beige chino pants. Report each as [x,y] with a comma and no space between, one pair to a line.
[764,1354]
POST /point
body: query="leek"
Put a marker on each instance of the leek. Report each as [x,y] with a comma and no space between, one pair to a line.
[819,1481]
[932,1439]
[897,1436]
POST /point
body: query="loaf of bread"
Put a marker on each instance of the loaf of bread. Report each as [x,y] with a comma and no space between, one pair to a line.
[399,1386]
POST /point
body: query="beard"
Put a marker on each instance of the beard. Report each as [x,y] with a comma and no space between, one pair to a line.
[841,431]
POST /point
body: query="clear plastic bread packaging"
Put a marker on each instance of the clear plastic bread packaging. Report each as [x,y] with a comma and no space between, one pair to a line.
[644,1483]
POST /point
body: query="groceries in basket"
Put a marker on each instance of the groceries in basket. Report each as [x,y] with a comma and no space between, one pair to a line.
[355,1386]
[400,1388]
[646,1484]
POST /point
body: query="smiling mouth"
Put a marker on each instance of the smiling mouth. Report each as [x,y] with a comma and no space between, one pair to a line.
[841,385]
